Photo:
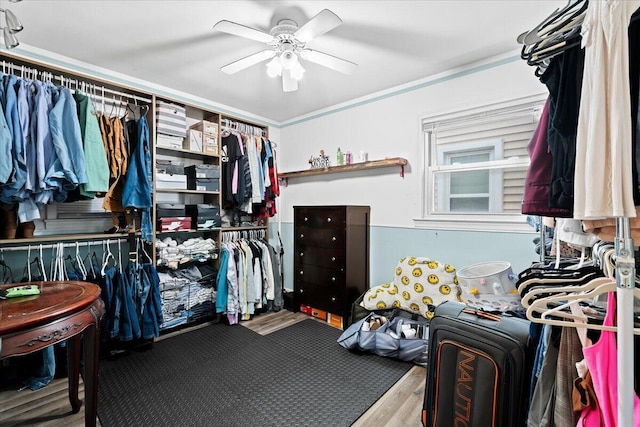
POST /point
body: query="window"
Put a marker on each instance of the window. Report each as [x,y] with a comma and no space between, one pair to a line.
[475,165]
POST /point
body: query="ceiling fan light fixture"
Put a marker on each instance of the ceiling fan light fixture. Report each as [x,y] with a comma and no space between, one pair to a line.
[287,59]
[12,21]
[10,40]
[296,70]
[274,67]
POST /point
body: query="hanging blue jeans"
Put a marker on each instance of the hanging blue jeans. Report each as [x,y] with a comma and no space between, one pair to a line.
[130,325]
[112,297]
[152,310]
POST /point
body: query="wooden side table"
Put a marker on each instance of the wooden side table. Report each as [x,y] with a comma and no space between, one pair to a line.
[64,310]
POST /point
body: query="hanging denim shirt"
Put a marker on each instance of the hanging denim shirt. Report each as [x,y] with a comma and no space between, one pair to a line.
[67,139]
[46,157]
[94,153]
[27,208]
[137,182]
[50,175]
[6,158]
[24,102]
[13,191]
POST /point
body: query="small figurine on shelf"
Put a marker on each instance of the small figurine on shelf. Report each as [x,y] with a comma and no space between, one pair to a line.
[320,162]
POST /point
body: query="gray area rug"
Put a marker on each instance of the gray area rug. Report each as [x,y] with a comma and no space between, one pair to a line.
[224,375]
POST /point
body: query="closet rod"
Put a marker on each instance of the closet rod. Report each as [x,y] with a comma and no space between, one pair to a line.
[241,127]
[76,82]
[101,89]
[37,246]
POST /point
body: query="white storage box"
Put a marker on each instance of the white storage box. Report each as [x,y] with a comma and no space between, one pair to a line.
[193,141]
[168,141]
[171,182]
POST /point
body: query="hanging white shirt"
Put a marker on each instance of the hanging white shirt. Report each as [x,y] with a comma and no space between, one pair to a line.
[603,182]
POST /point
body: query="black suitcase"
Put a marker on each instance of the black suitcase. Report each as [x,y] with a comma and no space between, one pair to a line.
[479,369]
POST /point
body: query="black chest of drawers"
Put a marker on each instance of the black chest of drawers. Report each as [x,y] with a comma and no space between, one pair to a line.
[331,257]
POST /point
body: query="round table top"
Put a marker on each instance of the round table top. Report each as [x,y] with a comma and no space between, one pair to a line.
[56,300]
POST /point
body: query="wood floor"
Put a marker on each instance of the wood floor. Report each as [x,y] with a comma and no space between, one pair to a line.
[399,407]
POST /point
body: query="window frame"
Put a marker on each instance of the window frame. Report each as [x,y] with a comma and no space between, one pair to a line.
[490,221]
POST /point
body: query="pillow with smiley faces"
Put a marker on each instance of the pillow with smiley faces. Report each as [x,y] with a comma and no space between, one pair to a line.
[419,285]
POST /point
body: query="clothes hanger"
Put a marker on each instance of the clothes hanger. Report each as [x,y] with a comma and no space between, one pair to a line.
[600,287]
[80,263]
[610,289]
[530,297]
[107,256]
[530,289]
[548,24]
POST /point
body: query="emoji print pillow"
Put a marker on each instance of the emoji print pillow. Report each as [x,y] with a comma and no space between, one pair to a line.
[419,285]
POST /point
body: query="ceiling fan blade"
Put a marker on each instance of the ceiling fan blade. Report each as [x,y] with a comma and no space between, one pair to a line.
[243,31]
[289,84]
[318,25]
[248,61]
[329,61]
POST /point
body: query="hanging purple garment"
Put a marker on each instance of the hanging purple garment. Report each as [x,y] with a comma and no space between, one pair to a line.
[536,188]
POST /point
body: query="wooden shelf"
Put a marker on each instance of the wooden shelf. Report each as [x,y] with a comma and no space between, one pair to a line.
[372,164]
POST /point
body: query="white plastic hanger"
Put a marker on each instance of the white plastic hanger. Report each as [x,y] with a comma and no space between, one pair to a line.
[106,256]
[593,289]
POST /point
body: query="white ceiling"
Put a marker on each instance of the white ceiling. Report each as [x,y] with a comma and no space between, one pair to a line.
[172,43]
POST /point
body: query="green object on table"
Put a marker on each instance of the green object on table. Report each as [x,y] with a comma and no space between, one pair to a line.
[20,291]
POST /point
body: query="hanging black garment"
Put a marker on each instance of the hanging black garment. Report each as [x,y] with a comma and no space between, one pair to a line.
[563,78]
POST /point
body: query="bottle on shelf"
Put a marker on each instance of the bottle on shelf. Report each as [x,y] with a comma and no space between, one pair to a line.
[339,158]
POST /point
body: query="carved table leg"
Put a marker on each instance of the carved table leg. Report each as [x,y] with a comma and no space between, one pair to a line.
[91,356]
[73,356]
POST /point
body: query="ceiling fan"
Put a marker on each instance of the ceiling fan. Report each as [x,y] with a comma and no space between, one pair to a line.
[287,42]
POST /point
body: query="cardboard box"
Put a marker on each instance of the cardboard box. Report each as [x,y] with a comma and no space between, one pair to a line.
[167,141]
[209,149]
[210,144]
[320,314]
[175,224]
[206,127]
[171,182]
[335,320]
[193,142]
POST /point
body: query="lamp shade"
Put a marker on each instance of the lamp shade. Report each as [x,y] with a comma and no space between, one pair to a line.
[10,40]
[13,23]
[274,68]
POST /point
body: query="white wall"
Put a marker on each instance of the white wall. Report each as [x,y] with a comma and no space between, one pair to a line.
[388,125]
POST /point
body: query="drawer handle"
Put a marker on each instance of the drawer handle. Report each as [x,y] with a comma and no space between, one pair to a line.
[333,238]
[301,272]
[302,236]
[333,299]
[329,219]
[333,279]
[306,219]
[301,290]
[333,259]
[301,253]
